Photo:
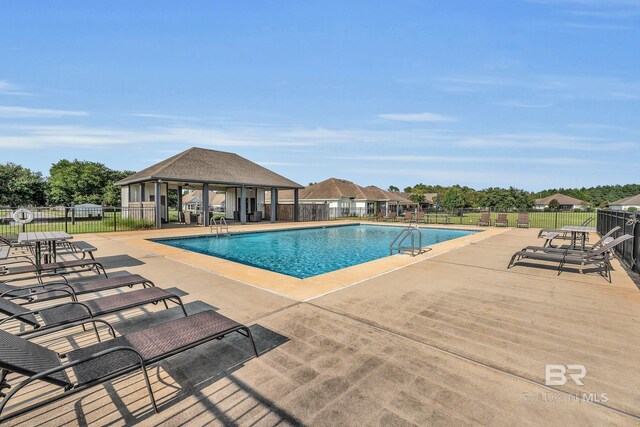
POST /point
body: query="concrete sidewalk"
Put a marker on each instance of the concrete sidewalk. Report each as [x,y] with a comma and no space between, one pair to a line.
[455,339]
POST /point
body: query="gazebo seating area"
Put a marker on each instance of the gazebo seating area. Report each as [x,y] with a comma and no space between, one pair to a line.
[242,182]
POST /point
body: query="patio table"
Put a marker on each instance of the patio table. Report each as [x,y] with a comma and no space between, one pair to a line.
[575,230]
[50,240]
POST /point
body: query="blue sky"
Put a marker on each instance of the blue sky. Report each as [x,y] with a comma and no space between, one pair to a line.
[535,94]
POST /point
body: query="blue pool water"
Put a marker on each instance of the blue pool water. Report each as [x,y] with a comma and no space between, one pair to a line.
[307,252]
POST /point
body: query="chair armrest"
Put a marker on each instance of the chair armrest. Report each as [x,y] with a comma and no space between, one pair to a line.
[38,333]
[66,366]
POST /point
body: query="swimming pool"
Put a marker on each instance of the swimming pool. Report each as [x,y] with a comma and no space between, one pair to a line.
[304,253]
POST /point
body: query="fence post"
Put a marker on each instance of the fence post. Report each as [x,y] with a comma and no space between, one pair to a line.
[115,220]
[66,222]
[556,221]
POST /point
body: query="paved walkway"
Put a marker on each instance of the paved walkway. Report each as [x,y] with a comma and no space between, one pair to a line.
[455,339]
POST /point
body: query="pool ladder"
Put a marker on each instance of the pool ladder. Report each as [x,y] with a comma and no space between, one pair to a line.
[407,233]
[220,227]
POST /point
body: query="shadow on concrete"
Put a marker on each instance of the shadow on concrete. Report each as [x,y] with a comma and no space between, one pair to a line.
[202,376]
[119,261]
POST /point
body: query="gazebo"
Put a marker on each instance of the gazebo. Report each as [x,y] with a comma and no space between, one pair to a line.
[243,182]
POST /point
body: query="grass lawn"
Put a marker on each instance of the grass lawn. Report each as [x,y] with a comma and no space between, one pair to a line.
[537,219]
[107,223]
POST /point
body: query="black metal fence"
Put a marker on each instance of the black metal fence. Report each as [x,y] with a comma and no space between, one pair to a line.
[629,251]
[537,219]
[73,220]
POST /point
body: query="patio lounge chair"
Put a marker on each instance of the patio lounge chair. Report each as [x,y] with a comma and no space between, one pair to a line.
[563,233]
[598,257]
[392,216]
[379,216]
[12,242]
[485,219]
[108,360]
[502,221]
[10,268]
[523,220]
[73,311]
[61,289]
[408,217]
[420,217]
[603,241]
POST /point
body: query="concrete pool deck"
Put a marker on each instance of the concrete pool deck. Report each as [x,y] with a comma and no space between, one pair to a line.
[454,339]
[299,289]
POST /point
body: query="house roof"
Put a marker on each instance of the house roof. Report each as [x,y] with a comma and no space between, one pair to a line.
[380,195]
[210,166]
[633,200]
[562,199]
[431,198]
[336,189]
[428,197]
[195,196]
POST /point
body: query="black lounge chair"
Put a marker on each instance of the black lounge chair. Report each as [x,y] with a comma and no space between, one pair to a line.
[107,360]
[62,289]
[11,268]
[12,243]
[598,257]
[603,241]
[57,315]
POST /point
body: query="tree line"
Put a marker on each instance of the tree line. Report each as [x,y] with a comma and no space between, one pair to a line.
[70,182]
[458,197]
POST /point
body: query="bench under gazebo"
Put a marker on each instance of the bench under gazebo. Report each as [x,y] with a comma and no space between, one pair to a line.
[243,182]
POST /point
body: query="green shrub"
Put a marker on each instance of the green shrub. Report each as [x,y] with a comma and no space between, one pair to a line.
[130,224]
[632,209]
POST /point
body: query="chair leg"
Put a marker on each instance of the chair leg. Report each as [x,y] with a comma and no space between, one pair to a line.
[149,389]
[179,302]
[253,343]
[95,328]
[513,258]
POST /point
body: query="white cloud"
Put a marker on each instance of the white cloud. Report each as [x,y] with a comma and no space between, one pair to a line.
[550,87]
[13,112]
[546,140]
[85,136]
[417,117]
[543,161]
[521,104]
[8,88]
[164,116]
[587,26]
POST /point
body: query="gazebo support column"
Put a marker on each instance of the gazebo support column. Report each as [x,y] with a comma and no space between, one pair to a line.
[296,205]
[179,201]
[158,205]
[243,205]
[205,204]
[274,204]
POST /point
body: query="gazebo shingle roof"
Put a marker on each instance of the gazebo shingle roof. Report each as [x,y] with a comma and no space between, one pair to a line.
[210,166]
